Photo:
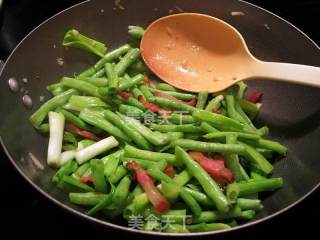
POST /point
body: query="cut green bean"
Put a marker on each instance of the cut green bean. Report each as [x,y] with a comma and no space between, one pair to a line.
[202,100]
[215,103]
[99,181]
[110,56]
[209,147]
[256,159]
[209,186]
[232,192]
[213,216]
[130,151]
[119,173]
[181,119]
[37,117]
[130,57]
[97,119]
[165,87]
[249,204]
[256,186]
[172,104]
[86,199]
[113,80]
[65,170]
[191,202]
[178,95]
[130,131]
[187,128]
[82,86]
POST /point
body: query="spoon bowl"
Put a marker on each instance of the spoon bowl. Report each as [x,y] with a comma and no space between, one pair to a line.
[197,52]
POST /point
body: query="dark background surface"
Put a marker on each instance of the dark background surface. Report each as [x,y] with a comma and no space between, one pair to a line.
[24,212]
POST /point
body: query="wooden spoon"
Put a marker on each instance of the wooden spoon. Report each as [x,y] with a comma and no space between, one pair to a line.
[197,52]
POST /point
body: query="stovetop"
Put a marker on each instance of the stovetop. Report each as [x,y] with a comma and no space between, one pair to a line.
[25,212]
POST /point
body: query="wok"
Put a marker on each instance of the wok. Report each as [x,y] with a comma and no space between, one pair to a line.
[292,112]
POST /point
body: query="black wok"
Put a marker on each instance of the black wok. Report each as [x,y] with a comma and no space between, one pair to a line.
[292,112]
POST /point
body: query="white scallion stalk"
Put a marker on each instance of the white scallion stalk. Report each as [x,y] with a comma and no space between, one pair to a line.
[56,127]
[95,149]
[67,156]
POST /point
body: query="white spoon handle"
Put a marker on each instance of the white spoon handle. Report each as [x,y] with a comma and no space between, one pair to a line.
[295,73]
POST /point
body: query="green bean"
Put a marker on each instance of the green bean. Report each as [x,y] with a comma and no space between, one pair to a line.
[86,199]
[113,80]
[81,170]
[128,110]
[178,95]
[242,87]
[248,214]
[213,216]
[202,100]
[265,152]
[121,192]
[74,39]
[136,92]
[155,138]
[244,116]
[56,88]
[252,109]
[206,127]
[134,102]
[99,74]
[172,104]
[65,170]
[130,131]
[159,175]
[237,134]
[215,103]
[207,227]
[97,119]
[136,32]
[70,117]
[187,128]
[182,178]
[145,164]
[232,112]
[200,197]
[256,176]
[249,204]
[119,173]
[125,85]
[98,81]
[70,184]
[256,186]
[99,181]
[130,151]
[221,122]
[102,204]
[165,87]
[82,86]
[209,186]
[232,192]
[43,128]
[256,159]
[193,136]
[111,162]
[181,119]
[37,117]
[87,102]
[87,73]
[176,228]
[146,92]
[110,56]
[170,190]
[130,57]
[268,144]
[209,147]
[138,67]
[191,202]
[232,160]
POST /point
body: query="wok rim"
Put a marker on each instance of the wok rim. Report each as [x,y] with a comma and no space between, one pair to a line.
[131,230]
